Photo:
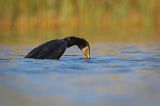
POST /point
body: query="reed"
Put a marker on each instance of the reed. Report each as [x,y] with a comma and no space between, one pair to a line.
[90,17]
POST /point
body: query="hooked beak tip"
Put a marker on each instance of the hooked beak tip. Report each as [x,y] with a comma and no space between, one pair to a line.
[87,55]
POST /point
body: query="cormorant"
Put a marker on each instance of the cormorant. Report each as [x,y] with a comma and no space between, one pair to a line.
[54,49]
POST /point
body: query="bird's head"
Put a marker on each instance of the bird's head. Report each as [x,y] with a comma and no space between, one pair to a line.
[81,43]
[85,48]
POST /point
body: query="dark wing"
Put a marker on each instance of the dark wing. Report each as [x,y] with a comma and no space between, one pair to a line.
[53,49]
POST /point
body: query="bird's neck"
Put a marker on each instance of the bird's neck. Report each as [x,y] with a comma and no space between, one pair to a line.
[72,41]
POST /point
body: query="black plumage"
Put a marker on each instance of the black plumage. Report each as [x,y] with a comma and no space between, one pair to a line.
[54,49]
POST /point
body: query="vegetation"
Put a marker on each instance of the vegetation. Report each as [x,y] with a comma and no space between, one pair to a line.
[111,18]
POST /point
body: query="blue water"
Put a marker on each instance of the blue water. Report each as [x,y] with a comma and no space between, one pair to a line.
[116,75]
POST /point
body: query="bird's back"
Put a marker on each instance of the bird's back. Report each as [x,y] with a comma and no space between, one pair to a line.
[50,50]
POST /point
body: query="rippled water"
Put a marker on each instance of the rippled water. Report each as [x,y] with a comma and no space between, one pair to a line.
[116,75]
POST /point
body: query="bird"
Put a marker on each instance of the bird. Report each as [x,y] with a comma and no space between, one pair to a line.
[54,49]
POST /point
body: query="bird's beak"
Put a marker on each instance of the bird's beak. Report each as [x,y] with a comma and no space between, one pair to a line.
[86,52]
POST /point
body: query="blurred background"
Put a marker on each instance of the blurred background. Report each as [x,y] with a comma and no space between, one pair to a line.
[29,21]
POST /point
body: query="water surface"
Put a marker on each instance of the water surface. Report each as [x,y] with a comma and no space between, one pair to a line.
[116,75]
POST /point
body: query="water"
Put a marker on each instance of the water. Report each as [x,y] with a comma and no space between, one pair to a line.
[116,75]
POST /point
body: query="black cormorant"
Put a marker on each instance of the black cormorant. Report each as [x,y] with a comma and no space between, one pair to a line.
[54,49]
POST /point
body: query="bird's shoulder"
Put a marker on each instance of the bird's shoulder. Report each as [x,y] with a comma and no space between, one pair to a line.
[53,44]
